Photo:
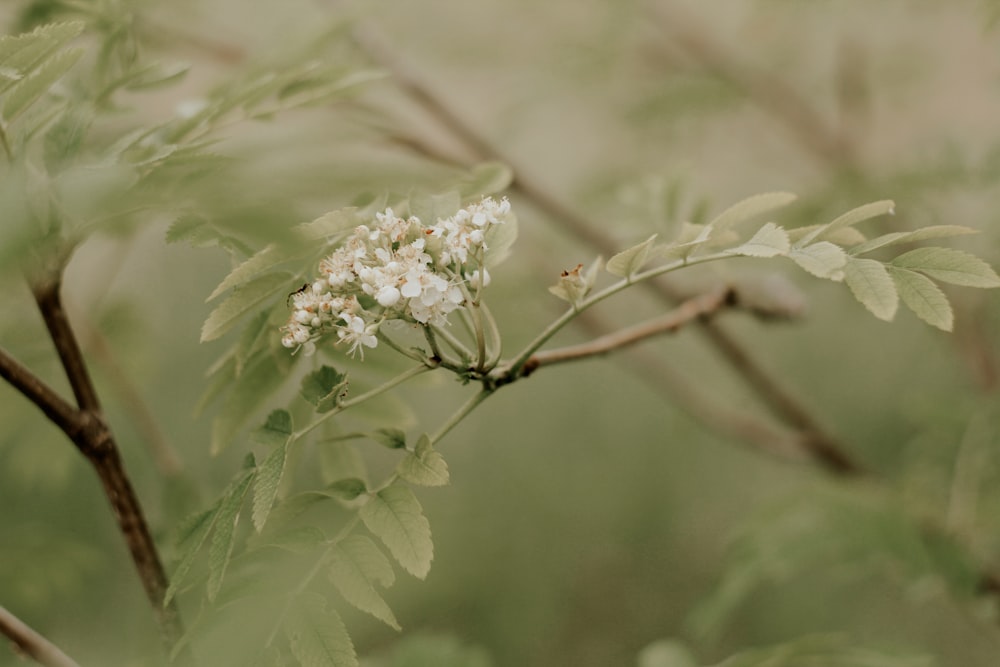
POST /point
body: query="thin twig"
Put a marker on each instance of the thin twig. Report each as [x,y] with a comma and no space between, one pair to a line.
[32,644]
[686,313]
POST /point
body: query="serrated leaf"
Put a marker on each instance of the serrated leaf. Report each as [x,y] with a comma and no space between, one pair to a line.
[21,54]
[221,549]
[318,637]
[872,285]
[356,565]
[191,537]
[395,516]
[823,260]
[323,388]
[264,374]
[28,90]
[241,301]
[852,217]
[750,208]
[267,258]
[424,465]
[769,241]
[923,297]
[276,430]
[949,265]
[628,262]
[923,234]
[266,483]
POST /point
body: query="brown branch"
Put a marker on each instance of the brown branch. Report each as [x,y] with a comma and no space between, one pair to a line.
[691,310]
[824,449]
[32,644]
[88,430]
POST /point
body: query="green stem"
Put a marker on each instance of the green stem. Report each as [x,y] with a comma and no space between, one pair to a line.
[361,398]
[454,343]
[514,367]
[461,413]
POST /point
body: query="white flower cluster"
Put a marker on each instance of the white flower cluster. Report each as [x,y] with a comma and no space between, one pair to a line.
[396,269]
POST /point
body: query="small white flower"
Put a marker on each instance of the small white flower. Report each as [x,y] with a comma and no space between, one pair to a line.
[388,296]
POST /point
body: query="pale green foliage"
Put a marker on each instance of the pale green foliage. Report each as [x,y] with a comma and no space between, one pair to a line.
[395,516]
[424,465]
[829,251]
[356,566]
[317,636]
[628,262]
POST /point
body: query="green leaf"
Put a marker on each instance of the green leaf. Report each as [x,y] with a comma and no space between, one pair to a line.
[852,217]
[769,241]
[276,430]
[871,284]
[823,260]
[750,208]
[628,262]
[430,208]
[243,299]
[666,653]
[923,234]
[318,637]
[923,297]
[950,266]
[485,179]
[268,258]
[191,536]
[29,89]
[324,388]
[21,54]
[424,465]
[346,489]
[264,374]
[356,565]
[395,516]
[221,549]
[499,240]
[156,75]
[393,438]
[266,482]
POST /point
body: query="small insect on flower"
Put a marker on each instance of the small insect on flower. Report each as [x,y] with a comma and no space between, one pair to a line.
[291,295]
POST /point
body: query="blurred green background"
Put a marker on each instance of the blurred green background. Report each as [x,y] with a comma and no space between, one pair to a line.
[588,514]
